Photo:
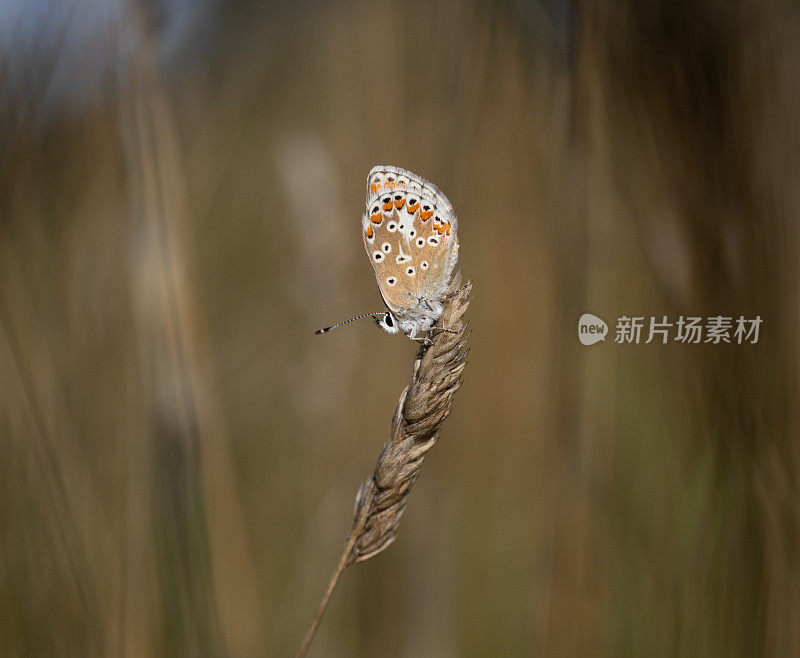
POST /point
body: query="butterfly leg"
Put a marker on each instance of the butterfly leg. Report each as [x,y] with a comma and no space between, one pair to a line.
[424,340]
[435,306]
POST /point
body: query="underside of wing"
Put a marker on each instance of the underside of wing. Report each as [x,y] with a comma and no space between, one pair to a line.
[409,233]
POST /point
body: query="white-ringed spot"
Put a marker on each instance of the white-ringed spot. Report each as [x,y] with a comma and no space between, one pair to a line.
[424,265]
[378,256]
[433,241]
[386,247]
[410,271]
[391,227]
[391,281]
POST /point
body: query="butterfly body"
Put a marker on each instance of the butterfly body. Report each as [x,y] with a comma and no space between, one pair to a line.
[409,231]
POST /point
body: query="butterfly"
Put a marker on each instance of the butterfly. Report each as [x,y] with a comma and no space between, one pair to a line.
[410,234]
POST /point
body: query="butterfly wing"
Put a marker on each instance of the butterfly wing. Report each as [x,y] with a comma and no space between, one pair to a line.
[410,235]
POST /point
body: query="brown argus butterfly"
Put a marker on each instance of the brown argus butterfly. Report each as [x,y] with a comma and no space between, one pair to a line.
[410,234]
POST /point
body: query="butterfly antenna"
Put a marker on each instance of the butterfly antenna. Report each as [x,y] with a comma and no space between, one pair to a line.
[325,330]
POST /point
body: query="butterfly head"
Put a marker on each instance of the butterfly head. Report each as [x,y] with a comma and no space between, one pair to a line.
[388,322]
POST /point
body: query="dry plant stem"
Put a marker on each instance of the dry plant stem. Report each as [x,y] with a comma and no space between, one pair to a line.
[423,406]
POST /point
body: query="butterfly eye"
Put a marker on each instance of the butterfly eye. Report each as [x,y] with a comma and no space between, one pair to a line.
[388,320]
[378,256]
[386,247]
[391,280]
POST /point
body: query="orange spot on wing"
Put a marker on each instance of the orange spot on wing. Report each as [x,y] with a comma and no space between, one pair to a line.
[399,203]
[448,229]
[441,228]
[377,218]
[369,231]
[412,208]
[425,215]
[387,205]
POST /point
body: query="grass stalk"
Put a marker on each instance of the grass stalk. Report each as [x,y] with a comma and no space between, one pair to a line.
[423,406]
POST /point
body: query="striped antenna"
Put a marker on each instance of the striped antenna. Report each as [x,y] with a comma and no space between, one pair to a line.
[325,330]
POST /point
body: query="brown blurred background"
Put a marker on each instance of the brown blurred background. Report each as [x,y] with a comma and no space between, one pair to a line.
[180,200]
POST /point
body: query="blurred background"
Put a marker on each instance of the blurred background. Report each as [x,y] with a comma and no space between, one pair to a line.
[180,201]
